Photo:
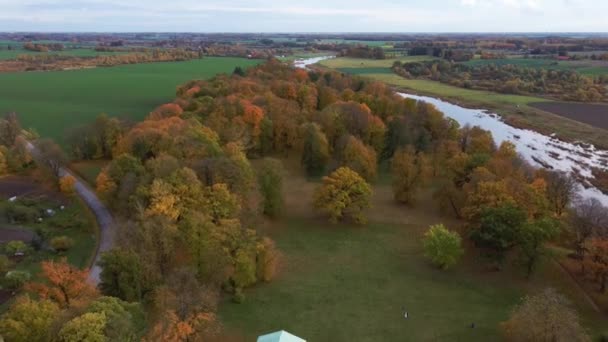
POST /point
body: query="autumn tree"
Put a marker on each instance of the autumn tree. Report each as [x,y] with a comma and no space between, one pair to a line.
[547,316]
[67,184]
[315,153]
[358,157]
[442,246]
[65,285]
[410,171]
[10,128]
[270,182]
[28,320]
[343,194]
[50,155]
[561,191]
[597,262]
[588,217]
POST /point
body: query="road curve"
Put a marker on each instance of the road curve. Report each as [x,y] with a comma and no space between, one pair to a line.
[107,225]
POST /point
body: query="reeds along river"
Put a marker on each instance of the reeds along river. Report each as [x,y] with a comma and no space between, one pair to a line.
[538,149]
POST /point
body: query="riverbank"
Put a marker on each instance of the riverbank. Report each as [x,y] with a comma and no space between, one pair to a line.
[514,109]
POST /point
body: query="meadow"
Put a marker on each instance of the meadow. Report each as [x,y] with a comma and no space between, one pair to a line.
[347,282]
[82,52]
[52,102]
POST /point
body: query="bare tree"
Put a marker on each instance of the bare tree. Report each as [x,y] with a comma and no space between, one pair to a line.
[561,191]
[10,128]
[589,218]
[49,155]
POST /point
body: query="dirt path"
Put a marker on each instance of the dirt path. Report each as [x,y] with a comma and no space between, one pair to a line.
[102,214]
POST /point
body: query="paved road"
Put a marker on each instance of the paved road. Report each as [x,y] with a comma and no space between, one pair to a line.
[105,220]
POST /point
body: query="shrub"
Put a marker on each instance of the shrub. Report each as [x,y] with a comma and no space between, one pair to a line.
[62,243]
[5,264]
[19,213]
[14,247]
[442,246]
[16,279]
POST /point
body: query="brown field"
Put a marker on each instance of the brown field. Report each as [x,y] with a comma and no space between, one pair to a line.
[595,115]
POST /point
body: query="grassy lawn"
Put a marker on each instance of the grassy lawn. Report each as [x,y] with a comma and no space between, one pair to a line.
[51,102]
[348,62]
[350,283]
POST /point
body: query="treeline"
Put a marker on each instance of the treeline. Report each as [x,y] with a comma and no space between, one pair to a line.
[456,55]
[63,62]
[511,79]
[363,52]
[43,47]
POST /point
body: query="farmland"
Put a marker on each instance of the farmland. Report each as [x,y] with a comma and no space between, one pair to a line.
[51,102]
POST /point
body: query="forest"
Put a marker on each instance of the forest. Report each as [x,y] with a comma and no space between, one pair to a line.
[511,79]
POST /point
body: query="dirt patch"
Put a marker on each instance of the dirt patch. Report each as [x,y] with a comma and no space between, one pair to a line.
[12,234]
[592,114]
[27,187]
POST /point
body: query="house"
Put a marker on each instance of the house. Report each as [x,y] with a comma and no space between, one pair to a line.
[280,336]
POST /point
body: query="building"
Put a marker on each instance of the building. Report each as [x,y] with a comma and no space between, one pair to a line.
[280,336]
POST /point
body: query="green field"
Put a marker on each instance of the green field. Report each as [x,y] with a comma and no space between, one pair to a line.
[51,102]
[351,283]
[590,68]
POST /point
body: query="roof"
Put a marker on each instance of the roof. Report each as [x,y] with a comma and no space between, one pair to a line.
[280,336]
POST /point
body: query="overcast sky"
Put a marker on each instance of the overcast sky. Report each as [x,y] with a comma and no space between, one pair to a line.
[305,16]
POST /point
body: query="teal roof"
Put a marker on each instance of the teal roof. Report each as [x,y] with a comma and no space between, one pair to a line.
[280,336]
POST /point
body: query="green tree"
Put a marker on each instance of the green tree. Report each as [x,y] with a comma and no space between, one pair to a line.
[315,154]
[28,320]
[547,316]
[442,246]
[343,194]
[497,230]
[122,275]
[270,181]
[87,327]
[531,239]
[125,321]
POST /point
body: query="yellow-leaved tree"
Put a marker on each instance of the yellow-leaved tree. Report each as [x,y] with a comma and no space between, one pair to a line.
[343,194]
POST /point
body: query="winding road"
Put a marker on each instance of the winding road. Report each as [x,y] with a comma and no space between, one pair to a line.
[104,218]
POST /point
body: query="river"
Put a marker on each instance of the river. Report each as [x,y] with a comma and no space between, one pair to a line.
[538,149]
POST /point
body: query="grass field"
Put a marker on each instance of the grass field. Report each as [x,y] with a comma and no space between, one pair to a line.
[351,283]
[51,102]
[590,68]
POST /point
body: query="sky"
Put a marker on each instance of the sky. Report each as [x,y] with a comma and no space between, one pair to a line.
[304,16]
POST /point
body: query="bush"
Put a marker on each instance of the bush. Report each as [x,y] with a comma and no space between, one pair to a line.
[67,184]
[62,243]
[20,213]
[16,279]
[442,246]
[5,264]
[14,247]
